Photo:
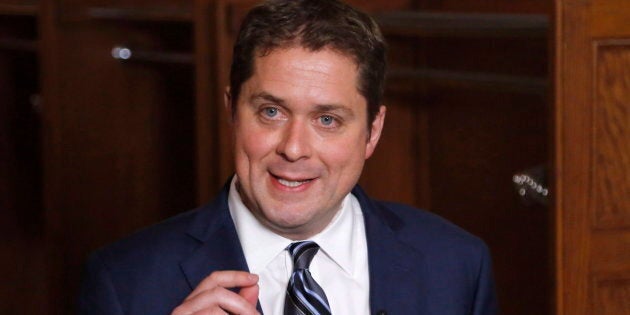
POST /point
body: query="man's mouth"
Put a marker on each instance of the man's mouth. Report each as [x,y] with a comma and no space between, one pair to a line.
[292,183]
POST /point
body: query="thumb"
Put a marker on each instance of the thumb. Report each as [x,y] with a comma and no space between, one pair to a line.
[250,294]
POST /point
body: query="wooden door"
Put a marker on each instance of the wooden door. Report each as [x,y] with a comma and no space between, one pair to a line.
[592,147]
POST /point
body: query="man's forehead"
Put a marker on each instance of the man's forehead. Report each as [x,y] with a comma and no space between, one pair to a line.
[298,65]
[266,51]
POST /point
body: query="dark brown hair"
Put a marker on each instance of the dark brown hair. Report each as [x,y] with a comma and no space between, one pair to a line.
[314,25]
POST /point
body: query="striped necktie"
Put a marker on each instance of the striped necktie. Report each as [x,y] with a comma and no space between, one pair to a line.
[304,296]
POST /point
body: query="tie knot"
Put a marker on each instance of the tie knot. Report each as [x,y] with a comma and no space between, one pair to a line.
[302,253]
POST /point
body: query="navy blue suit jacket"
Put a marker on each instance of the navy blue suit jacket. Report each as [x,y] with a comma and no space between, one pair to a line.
[419,263]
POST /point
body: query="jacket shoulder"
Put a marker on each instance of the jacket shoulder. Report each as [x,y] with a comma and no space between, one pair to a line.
[143,244]
[130,274]
[428,231]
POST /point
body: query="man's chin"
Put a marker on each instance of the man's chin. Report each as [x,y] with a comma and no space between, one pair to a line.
[292,228]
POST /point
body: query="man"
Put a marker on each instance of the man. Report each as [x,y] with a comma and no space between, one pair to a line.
[292,233]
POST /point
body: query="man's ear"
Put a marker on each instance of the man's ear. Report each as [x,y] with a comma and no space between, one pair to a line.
[376,128]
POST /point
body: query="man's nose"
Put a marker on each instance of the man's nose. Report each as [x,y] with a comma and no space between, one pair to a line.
[295,143]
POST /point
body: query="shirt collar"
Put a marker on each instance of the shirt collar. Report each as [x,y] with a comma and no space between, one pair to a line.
[261,245]
[337,239]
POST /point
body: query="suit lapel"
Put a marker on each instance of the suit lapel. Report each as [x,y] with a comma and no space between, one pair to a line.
[397,271]
[219,247]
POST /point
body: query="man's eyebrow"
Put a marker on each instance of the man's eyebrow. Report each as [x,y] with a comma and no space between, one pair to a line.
[334,108]
[264,96]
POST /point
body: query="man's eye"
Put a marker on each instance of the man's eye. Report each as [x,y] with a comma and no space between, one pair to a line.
[270,111]
[327,120]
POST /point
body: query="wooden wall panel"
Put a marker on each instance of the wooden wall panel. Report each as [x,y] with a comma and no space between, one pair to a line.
[612,295]
[478,141]
[592,153]
[610,256]
[210,74]
[158,10]
[122,140]
[610,201]
[521,6]
[390,174]
[23,267]
[462,119]
[611,143]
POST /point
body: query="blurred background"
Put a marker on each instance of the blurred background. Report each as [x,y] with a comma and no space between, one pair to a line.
[509,118]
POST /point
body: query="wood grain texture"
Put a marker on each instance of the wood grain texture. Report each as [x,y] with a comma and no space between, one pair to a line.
[591,156]
[502,6]
[611,143]
[206,27]
[612,294]
[124,10]
[572,119]
[610,256]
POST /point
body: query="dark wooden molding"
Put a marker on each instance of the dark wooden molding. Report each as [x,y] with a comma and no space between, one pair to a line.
[20,45]
[19,9]
[473,80]
[141,14]
[435,24]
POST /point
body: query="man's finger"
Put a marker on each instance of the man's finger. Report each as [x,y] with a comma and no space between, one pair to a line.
[216,300]
[225,279]
[250,294]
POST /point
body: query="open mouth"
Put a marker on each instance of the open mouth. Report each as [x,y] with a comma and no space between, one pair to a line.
[291,183]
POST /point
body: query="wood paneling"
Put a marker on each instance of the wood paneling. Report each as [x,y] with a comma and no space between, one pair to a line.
[467,109]
[591,157]
[143,10]
[612,294]
[610,256]
[521,6]
[23,265]
[121,138]
[396,161]
[208,30]
[611,143]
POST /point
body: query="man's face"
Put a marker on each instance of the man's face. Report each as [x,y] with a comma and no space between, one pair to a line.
[301,138]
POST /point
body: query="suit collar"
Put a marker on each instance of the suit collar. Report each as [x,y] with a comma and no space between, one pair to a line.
[397,270]
[219,247]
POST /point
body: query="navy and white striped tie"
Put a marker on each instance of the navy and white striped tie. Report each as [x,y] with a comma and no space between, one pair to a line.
[304,296]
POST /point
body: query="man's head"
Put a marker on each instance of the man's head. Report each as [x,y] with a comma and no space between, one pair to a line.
[300,113]
[313,25]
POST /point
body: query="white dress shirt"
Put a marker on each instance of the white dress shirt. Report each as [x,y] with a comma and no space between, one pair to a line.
[340,267]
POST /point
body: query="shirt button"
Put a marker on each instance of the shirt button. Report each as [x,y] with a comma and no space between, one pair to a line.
[381,312]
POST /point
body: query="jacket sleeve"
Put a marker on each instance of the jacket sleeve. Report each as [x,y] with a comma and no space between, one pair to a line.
[97,295]
[485,302]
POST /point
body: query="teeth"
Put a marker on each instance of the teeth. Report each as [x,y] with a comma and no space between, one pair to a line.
[289,183]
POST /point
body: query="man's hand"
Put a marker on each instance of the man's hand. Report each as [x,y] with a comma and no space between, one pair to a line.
[212,296]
